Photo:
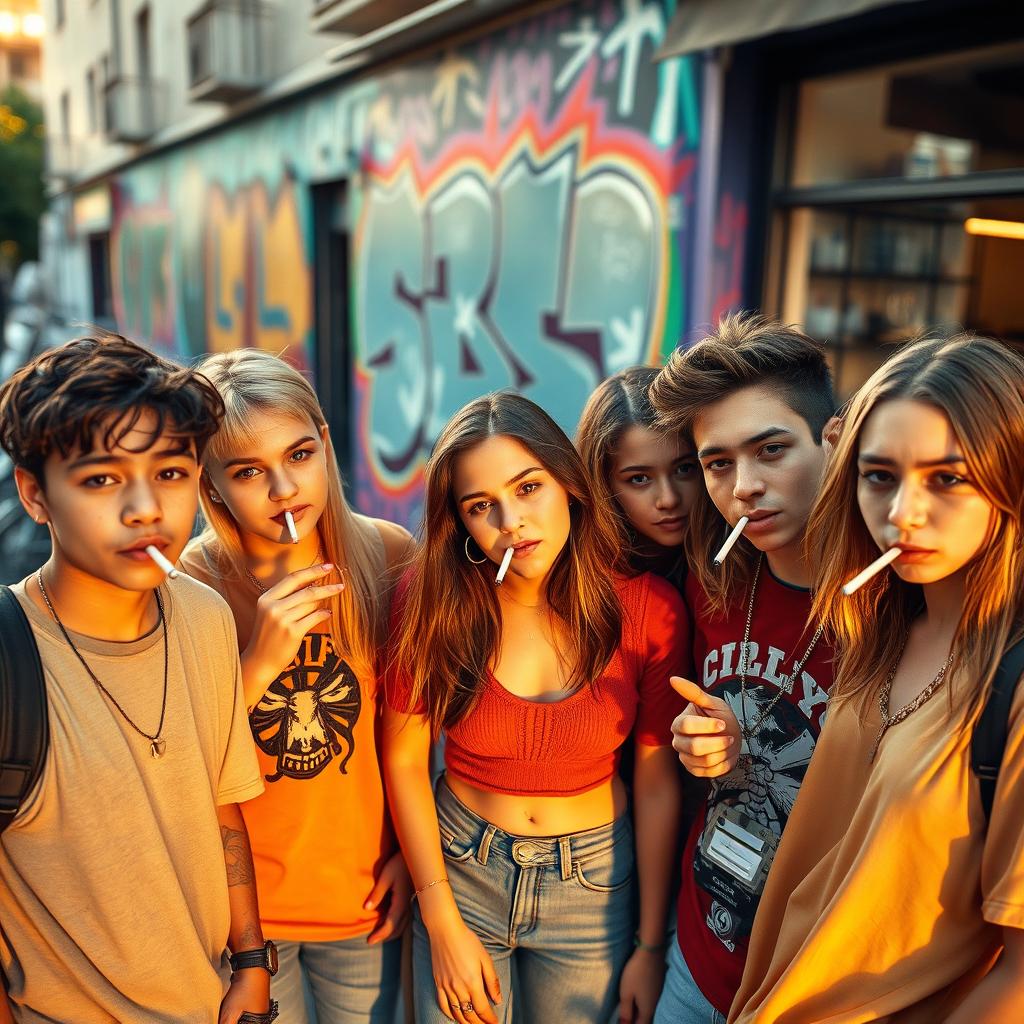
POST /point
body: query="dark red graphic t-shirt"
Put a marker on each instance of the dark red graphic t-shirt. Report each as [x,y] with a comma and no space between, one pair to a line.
[765,781]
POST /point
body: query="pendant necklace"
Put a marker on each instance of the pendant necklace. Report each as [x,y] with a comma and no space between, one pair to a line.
[787,682]
[157,744]
[908,709]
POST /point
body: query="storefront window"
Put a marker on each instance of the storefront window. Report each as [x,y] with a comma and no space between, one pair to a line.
[924,119]
[865,274]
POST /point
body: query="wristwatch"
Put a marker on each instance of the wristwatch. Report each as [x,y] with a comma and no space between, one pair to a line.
[265,957]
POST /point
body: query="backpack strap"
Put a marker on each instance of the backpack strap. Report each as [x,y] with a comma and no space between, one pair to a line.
[990,732]
[24,725]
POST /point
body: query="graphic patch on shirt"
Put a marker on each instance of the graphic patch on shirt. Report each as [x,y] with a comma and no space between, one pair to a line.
[307,715]
[767,777]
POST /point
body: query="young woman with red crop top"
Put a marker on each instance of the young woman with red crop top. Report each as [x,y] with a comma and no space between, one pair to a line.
[527,856]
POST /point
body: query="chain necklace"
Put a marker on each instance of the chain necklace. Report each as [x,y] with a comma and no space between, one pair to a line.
[263,589]
[157,744]
[787,682]
[908,709]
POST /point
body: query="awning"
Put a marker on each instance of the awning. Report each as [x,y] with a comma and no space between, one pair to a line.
[703,24]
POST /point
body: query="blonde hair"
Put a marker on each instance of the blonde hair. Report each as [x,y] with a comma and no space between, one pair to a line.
[979,384]
[744,351]
[253,382]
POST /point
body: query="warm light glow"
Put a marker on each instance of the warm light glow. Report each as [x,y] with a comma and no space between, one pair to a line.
[8,23]
[995,228]
[32,26]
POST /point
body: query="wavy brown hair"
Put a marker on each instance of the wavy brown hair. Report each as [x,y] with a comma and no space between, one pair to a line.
[450,629]
[618,403]
[744,351]
[979,384]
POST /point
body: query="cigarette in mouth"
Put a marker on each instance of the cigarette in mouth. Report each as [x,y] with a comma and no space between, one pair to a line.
[290,523]
[158,556]
[503,568]
[740,526]
[873,569]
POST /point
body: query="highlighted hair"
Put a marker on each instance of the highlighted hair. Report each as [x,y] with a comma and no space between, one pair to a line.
[979,385]
[252,383]
[451,627]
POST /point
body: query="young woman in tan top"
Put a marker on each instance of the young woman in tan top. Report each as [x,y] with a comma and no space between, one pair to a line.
[892,898]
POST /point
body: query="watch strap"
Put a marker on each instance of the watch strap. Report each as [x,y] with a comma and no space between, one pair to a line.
[250,958]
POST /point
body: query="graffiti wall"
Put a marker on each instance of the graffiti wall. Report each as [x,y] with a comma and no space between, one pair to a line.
[517,217]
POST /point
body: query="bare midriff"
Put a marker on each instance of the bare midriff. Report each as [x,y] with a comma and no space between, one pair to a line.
[529,815]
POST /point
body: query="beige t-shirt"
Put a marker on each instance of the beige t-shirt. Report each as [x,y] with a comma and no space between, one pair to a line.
[888,895]
[113,891]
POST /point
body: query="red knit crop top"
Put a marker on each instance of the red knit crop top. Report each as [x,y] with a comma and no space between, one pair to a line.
[508,744]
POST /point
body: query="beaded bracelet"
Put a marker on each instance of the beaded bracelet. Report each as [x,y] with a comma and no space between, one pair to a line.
[430,885]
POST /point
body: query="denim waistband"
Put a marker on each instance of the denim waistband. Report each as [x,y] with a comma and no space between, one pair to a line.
[527,851]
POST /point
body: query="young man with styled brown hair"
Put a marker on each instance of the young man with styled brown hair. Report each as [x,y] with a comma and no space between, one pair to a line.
[756,398]
[126,874]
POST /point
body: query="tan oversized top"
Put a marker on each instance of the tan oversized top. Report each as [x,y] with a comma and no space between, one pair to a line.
[887,894]
[113,892]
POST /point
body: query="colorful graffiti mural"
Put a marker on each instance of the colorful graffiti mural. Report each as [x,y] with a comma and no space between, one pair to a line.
[517,211]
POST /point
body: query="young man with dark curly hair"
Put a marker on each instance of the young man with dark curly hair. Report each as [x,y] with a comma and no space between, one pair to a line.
[126,875]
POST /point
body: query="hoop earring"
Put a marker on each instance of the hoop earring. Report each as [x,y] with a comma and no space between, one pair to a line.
[475,561]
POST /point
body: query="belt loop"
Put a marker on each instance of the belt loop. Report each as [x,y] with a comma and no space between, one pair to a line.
[565,856]
[485,844]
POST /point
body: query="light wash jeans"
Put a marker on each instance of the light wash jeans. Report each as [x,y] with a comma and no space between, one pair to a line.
[343,982]
[555,914]
[681,1001]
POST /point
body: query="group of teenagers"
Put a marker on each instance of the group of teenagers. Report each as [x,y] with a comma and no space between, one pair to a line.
[241,810]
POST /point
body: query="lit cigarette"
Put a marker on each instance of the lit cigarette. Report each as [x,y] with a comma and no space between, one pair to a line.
[731,539]
[290,523]
[503,568]
[873,569]
[158,556]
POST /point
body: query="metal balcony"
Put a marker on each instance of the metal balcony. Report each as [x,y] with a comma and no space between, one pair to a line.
[227,50]
[132,109]
[360,17]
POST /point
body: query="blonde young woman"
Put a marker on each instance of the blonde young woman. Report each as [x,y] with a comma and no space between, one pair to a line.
[311,617]
[524,867]
[894,896]
[646,476]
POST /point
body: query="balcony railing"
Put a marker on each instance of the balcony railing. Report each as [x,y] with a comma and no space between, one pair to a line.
[227,50]
[133,109]
[359,17]
[63,157]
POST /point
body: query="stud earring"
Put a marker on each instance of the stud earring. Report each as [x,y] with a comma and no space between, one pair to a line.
[215,497]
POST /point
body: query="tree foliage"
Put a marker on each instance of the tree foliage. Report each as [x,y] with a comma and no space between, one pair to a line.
[22,197]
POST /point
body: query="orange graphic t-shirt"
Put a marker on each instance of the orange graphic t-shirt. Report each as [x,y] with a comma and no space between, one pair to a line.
[320,832]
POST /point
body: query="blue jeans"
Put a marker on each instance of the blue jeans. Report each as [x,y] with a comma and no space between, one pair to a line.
[555,914]
[681,1001]
[343,982]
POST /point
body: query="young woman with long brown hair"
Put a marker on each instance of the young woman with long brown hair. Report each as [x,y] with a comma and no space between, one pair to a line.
[311,615]
[646,476]
[526,859]
[893,894]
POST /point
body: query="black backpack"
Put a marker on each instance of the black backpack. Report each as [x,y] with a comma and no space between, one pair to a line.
[24,726]
[25,730]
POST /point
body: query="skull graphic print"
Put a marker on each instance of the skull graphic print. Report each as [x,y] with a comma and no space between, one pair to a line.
[306,717]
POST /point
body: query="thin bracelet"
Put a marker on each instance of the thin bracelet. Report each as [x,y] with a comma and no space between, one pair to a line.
[430,885]
[646,947]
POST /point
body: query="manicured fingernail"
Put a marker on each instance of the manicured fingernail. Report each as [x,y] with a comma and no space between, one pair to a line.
[728,741]
[719,726]
[368,905]
[326,566]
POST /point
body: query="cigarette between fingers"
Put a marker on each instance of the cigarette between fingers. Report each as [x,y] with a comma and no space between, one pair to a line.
[503,568]
[873,569]
[290,523]
[740,526]
[158,556]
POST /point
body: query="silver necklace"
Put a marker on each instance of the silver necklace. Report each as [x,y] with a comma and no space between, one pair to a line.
[787,682]
[157,744]
[263,589]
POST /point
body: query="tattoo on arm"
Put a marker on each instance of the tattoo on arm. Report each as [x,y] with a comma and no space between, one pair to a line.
[237,856]
[251,938]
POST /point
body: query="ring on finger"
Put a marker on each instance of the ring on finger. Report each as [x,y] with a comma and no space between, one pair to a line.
[466,1007]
